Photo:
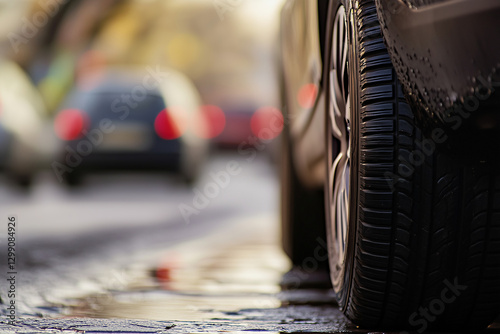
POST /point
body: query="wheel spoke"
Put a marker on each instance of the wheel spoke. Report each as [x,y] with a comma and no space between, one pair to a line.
[336,106]
[341,202]
[333,171]
[340,119]
[343,65]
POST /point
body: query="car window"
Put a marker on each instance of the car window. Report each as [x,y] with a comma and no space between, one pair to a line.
[113,102]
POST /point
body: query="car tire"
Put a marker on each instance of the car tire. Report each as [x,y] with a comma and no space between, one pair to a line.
[187,179]
[413,230]
[22,181]
[73,179]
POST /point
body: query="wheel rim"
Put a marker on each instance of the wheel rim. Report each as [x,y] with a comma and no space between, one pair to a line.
[339,152]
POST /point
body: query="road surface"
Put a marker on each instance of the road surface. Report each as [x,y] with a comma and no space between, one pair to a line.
[121,255]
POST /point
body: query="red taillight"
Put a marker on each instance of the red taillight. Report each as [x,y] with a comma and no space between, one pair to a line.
[70,123]
[166,127]
[307,95]
[267,123]
[216,122]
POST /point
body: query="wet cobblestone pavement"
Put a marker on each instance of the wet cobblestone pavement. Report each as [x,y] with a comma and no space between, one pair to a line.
[198,287]
[287,319]
[219,275]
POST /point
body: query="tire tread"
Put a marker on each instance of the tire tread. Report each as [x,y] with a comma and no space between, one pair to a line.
[440,222]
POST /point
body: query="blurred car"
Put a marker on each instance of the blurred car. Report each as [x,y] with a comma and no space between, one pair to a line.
[406,179]
[235,124]
[240,124]
[24,141]
[125,121]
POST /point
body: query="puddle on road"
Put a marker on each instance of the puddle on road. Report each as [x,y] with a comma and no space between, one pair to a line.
[212,279]
[200,288]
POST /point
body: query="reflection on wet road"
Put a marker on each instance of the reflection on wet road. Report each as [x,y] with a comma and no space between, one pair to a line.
[212,277]
[227,281]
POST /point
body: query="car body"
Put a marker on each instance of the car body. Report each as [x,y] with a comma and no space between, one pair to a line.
[25,141]
[125,121]
[302,68]
[392,110]
[447,61]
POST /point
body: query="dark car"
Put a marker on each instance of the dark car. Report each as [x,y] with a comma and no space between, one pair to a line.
[397,153]
[127,122]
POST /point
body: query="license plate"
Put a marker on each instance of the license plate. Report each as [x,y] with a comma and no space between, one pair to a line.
[127,137]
